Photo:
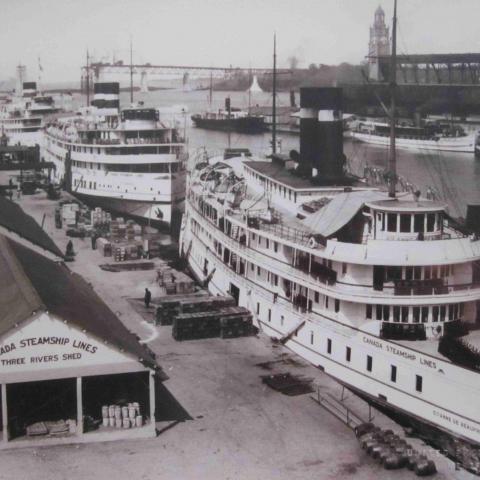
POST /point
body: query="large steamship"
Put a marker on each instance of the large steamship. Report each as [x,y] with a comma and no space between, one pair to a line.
[362,284]
[22,117]
[131,161]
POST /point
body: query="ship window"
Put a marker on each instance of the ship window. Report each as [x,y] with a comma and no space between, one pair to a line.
[434,271]
[383,222]
[393,373]
[369,311]
[392,222]
[409,273]
[282,319]
[275,246]
[450,312]
[369,363]
[348,354]
[326,301]
[258,270]
[378,312]
[386,313]
[396,313]
[311,337]
[269,315]
[435,313]
[443,311]
[424,314]
[417,273]
[418,383]
[329,345]
[428,273]
[344,268]
[258,308]
[430,222]
[337,305]
[418,222]
[316,297]
[416,314]
[405,223]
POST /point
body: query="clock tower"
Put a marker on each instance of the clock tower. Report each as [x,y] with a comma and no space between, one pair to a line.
[379,43]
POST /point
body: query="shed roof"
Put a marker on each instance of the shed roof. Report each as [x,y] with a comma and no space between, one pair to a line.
[31,282]
[13,218]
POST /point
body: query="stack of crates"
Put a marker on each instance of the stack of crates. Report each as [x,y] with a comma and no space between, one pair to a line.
[99,217]
[235,322]
[114,229]
[168,309]
[194,326]
[104,246]
[119,253]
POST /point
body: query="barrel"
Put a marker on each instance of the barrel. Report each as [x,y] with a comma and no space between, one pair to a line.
[137,407]
[118,423]
[111,411]
[138,421]
[118,412]
[106,421]
[132,412]
[124,412]
[105,411]
[111,421]
[126,423]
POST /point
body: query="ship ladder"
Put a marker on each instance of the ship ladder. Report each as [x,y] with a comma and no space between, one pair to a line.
[338,409]
[290,333]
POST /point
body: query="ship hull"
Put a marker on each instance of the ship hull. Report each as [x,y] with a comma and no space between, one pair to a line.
[445,144]
[240,125]
[276,316]
[163,215]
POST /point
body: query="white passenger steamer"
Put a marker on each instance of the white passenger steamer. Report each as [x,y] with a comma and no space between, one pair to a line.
[130,161]
[360,283]
[23,116]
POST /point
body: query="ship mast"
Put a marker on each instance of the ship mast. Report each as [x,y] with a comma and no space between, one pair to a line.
[393,86]
[274,100]
[131,71]
[87,80]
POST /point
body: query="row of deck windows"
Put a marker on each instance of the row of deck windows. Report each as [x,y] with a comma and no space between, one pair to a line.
[406,314]
[281,190]
[408,223]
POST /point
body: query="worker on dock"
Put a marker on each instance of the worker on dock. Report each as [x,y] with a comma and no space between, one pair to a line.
[147,298]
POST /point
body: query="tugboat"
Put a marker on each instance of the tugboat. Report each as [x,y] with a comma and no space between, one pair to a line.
[231,120]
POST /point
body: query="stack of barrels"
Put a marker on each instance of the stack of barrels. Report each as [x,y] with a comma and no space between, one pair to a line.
[122,416]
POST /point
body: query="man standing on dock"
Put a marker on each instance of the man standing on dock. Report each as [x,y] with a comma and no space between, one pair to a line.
[147,298]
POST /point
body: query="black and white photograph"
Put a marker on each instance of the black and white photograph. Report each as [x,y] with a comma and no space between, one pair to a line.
[239,239]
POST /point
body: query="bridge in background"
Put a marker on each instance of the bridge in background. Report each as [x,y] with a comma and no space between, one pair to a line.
[97,71]
[435,68]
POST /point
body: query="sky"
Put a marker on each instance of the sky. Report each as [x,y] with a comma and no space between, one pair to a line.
[219,32]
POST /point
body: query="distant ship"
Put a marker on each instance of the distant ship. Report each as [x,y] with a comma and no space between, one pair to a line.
[431,137]
[22,117]
[131,161]
[234,120]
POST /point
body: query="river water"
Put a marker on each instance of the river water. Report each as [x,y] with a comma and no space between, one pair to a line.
[453,176]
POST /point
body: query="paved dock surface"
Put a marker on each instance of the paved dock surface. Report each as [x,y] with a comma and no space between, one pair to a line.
[216,420]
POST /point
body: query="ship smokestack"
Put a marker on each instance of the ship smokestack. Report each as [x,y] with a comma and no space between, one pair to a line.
[106,97]
[29,89]
[321,134]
